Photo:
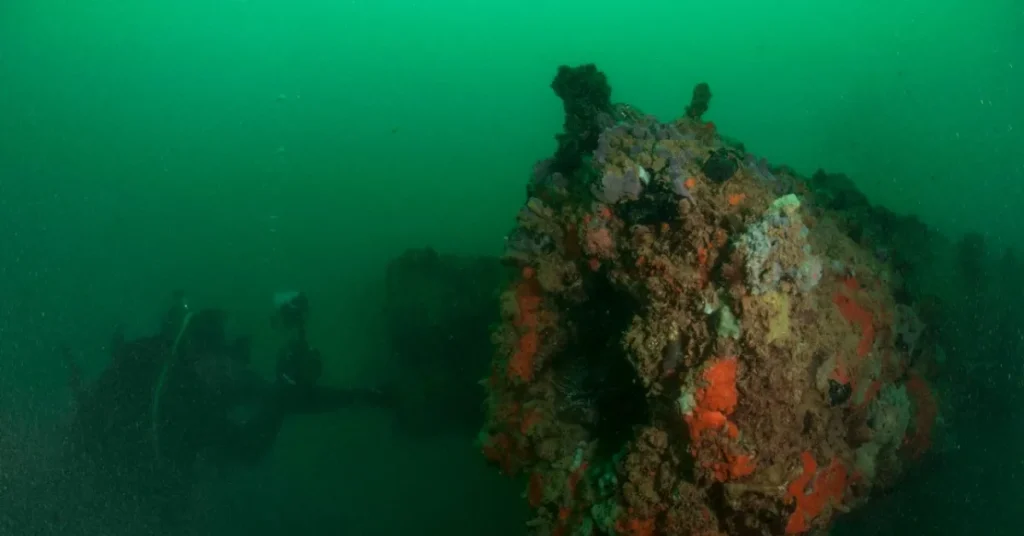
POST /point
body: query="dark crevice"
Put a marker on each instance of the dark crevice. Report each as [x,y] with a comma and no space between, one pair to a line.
[598,386]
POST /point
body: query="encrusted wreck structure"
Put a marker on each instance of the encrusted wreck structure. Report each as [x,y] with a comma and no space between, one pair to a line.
[695,343]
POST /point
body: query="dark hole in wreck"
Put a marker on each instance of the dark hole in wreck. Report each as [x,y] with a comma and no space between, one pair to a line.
[597,385]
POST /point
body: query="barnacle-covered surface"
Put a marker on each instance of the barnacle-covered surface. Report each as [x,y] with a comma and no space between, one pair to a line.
[695,344]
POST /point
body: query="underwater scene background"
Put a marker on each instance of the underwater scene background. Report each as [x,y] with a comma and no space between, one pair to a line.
[239,148]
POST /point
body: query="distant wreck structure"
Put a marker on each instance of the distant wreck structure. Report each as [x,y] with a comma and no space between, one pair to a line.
[438,308]
[694,344]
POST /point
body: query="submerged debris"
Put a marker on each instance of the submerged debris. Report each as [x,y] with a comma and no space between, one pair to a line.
[749,319]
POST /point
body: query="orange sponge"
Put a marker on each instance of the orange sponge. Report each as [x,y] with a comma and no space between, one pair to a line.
[828,487]
[720,394]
